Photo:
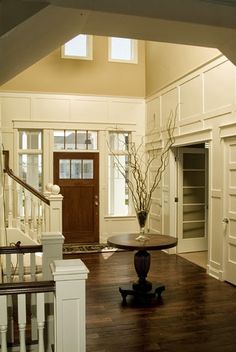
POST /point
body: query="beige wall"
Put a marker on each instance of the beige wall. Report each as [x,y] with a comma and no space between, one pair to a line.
[96,77]
[165,63]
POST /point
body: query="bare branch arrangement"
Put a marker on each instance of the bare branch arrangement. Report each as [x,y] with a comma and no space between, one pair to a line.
[139,165]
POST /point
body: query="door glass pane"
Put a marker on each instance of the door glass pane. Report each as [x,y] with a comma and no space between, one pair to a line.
[64,168]
[194,161]
[92,140]
[193,195]
[30,169]
[81,140]
[87,169]
[70,140]
[59,140]
[193,230]
[76,169]
[193,178]
[193,212]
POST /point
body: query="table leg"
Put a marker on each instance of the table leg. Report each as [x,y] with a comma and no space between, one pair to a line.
[143,288]
[142,261]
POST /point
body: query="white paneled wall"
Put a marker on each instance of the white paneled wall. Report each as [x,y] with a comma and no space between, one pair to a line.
[206,101]
[54,111]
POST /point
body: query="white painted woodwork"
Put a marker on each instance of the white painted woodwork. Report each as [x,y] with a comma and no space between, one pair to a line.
[206,99]
[3,323]
[21,299]
[192,200]
[70,277]
[40,320]
[53,214]
[229,219]
[10,202]
[52,243]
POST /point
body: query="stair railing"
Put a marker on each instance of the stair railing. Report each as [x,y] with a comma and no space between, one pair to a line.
[29,210]
[68,290]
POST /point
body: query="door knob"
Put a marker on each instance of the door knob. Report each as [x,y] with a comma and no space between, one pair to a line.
[225,220]
[96,203]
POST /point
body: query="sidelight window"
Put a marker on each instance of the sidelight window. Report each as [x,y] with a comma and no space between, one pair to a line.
[30,157]
[118,194]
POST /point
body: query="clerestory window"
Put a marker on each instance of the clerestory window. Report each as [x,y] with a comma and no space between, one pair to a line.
[79,47]
[123,50]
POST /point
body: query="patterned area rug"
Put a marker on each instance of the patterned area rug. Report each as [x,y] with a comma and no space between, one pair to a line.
[87,248]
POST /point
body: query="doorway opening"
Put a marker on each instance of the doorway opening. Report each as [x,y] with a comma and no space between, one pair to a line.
[192,203]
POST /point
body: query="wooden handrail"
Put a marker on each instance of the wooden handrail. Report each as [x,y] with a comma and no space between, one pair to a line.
[21,182]
[18,248]
[16,288]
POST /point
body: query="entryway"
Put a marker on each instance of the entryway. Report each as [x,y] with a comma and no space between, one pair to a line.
[192,200]
[77,174]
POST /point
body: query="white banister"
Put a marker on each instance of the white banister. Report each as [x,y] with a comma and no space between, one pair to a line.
[69,304]
[3,323]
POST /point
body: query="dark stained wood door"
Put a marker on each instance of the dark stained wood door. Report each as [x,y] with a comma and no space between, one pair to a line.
[77,174]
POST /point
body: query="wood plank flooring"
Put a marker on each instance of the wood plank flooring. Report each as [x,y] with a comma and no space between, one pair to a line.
[196,313]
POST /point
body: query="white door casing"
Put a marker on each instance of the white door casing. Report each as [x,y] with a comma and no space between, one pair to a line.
[229,221]
[192,199]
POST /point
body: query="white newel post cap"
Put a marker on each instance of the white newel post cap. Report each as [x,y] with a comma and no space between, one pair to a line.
[69,270]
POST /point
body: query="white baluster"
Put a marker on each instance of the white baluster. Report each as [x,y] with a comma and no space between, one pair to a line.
[10,202]
[32,266]
[40,320]
[27,211]
[42,215]
[21,270]
[3,323]
[40,221]
[34,327]
[18,205]
[22,320]
[8,268]
[10,332]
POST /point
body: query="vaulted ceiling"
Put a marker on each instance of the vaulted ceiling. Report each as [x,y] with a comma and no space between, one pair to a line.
[31,29]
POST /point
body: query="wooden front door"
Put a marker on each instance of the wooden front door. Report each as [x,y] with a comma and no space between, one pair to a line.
[77,174]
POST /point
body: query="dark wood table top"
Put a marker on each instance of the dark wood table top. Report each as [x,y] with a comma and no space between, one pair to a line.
[155,242]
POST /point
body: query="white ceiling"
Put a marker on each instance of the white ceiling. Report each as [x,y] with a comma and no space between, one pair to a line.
[32,29]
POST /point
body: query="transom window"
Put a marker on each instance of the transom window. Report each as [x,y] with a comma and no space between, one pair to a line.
[123,50]
[118,194]
[75,140]
[79,47]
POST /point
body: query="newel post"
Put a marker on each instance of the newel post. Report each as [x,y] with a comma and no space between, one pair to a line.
[69,305]
[52,243]
[53,213]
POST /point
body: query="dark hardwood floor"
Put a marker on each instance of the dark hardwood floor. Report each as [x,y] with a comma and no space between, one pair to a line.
[197,312]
